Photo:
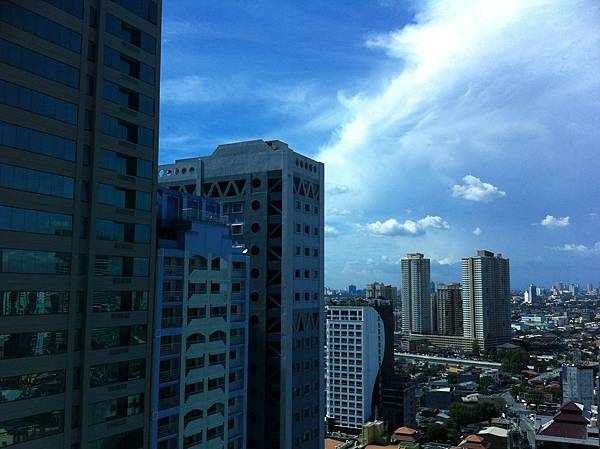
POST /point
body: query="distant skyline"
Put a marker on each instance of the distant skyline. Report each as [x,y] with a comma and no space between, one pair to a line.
[445,127]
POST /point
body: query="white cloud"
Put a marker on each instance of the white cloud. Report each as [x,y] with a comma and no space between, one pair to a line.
[392,227]
[331,231]
[338,212]
[336,189]
[474,189]
[550,221]
[291,99]
[477,231]
[579,248]
[446,261]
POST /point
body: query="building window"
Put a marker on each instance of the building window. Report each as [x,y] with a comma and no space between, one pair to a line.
[125,165]
[31,386]
[21,430]
[112,409]
[127,440]
[40,26]
[110,373]
[37,102]
[37,222]
[34,262]
[30,344]
[18,302]
[35,181]
[121,266]
[38,64]
[120,301]
[109,337]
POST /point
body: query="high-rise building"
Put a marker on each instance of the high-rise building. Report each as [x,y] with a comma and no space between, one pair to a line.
[577,384]
[362,382]
[79,88]
[449,309]
[199,381]
[273,198]
[352,290]
[486,299]
[378,290]
[416,295]
[530,296]
[354,354]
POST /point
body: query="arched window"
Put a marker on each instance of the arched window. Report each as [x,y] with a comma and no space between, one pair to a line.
[217,407]
[218,336]
[198,263]
[195,338]
[192,415]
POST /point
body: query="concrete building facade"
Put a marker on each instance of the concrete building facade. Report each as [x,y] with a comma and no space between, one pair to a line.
[486,299]
[448,298]
[416,295]
[354,354]
[199,382]
[79,89]
[577,384]
[273,198]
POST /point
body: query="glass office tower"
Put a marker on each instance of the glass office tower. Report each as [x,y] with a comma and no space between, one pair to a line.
[78,151]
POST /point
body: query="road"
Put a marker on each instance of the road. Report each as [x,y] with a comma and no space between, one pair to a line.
[446,360]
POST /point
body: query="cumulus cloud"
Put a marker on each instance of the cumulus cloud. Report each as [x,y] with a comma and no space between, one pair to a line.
[331,231]
[392,227]
[579,248]
[474,189]
[551,221]
[477,231]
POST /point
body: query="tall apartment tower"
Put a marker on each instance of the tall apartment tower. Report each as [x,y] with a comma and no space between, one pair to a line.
[416,295]
[378,290]
[354,356]
[449,309]
[199,383]
[362,381]
[531,296]
[273,198]
[79,87]
[486,299]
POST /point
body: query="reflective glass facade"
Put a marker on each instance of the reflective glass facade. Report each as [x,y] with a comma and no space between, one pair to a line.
[77,237]
[31,100]
[38,64]
[35,221]
[33,303]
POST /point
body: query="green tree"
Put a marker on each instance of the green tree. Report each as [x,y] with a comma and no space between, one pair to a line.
[485,383]
[476,348]
[436,434]
[515,361]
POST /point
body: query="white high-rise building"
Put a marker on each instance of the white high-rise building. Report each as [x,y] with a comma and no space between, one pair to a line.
[577,384]
[355,349]
[486,299]
[416,295]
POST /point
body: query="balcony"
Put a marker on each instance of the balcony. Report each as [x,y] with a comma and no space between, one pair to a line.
[168,402]
[166,430]
[172,296]
[171,321]
[170,348]
[169,375]
[190,214]
[173,270]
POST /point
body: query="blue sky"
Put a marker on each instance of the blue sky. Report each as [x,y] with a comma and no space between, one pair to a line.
[445,127]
